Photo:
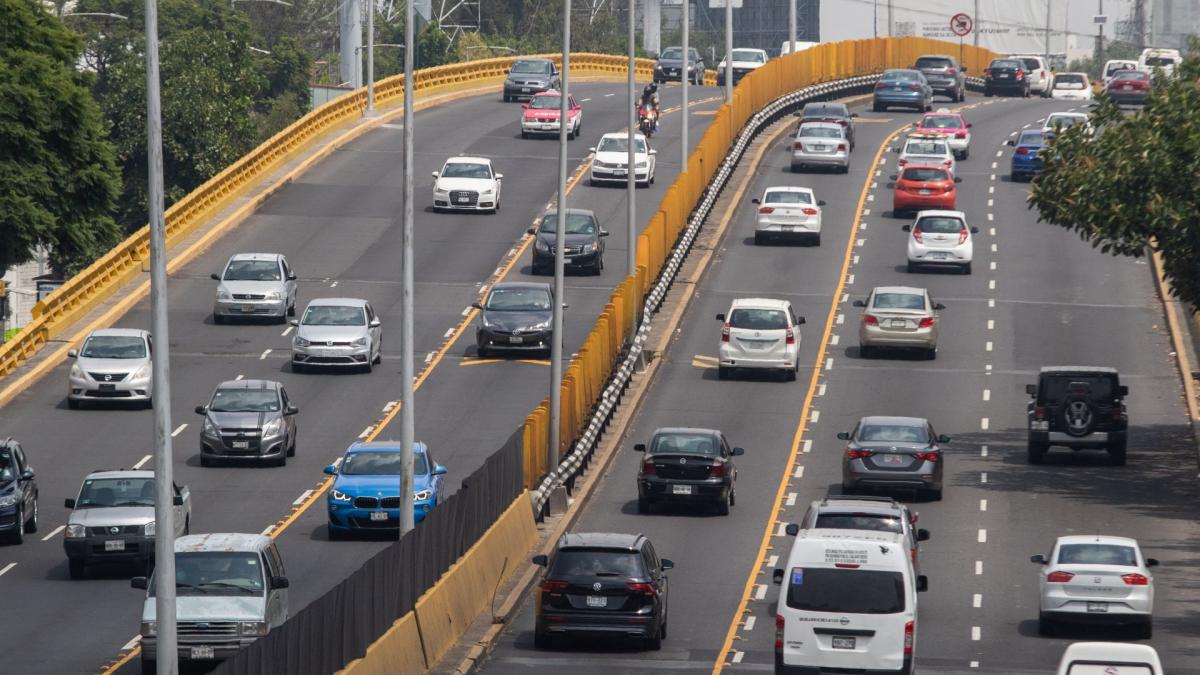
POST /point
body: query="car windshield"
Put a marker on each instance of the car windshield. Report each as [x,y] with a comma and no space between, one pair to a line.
[824,111]
[676,53]
[7,466]
[1160,61]
[1064,121]
[758,319]
[1132,75]
[244,400]
[1112,68]
[531,68]
[924,174]
[519,300]
[545,103]
[845,591]
[1007,63]
[252,270]
[901,76]
[334,315]
[592,562]
[748,55]
[860,521]
[897,433]
[925,148]
[114,347]
[684,444]
[787,197]
[940,225]
[942,122]
[1031,138]
[217,573]
[105,492]
[818,131]
[899,301]
[1096,554]
[1054,390]
[577,223]
[465,170]
[620,144]
[1068,78]
[380,463]
[1031,64]
[934,62]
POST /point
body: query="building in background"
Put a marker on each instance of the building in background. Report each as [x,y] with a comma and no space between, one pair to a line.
[1172,22]
[758,24]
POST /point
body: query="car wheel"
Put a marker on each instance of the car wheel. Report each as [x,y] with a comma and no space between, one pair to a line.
[1144,631]
[655,643]
[878,108]
[524,134]
[31,525]
[206,461]
[816,240]
[911,267]
[335,534]
[291,451]
[966,153]
[298,367]
[966,269]
[1046,627]
[281,460]
[1036,452]
[935,495]
[846,169]
[76,568]
[866,351]
[370,365]
[187,525]
[149,667]
[732,502]
[148,404]
[17,537]
[1116,453]
[1026,94]
[758,239]
[643,505]
[789,375]
[72,404]
[722,373]
[931,354]
[987,93]
[723,507]
[218,319]
[598,267]
[481,352]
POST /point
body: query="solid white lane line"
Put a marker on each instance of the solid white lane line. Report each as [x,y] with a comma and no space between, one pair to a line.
[978,568]
[6,568]
[286,331]
[983,477]
[54,532]
[750,620]
[178,430]
[807,445]
[303,496]
[142,462]
[264,355]
[983,505]
[982,536]
[987,394]
[977,601]
[983,423]
[975,633]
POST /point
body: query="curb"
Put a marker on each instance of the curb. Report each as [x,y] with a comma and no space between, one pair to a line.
[1179,323]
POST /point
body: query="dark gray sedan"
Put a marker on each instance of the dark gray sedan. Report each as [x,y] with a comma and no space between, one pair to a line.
[530,76]
[584,248]
[687,465]
[515,317]
[893,453]
[248,420]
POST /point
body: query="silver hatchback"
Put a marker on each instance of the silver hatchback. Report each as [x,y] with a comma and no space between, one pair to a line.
[255,285]
[339,333]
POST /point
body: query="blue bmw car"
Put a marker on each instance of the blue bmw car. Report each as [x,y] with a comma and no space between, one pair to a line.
[366,487]
[1026,157]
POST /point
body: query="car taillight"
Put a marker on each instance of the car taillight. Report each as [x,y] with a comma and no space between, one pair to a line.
[1059,577]
[844,123]
[927,322]
[716,471]
[791,337]
[913,553]
[809,211]
[918,235]
[960,134]
[640,588]
[725,333]
[908,638]
[648,468]
[987,72]
[962,235]
[779,624]
[914,86]
[1117,410]
[858,454]
[841,147]
[1020,74]
[870,320]
[766,209]
[1039,412]
[927,456]
[902,162]
[1022,151]
[946,162]
[881,85]
[1042,73]
[553,585]
[1135,579]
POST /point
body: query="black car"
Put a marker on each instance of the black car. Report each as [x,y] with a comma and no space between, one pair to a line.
[18,493]
[530,76]
[945,75]
[584,248]
[1077,407]
[1006,75]
[893,453]
[516,316]
[602,584]
[670,65]
[248,420]
[685,465]
[837,113]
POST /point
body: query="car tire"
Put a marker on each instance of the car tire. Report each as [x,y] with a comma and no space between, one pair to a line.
[76,568]
[816,240]
[723,507]
[17,536]
[281,460]
[1116,453]
[935,495]
[911,267]
[966,269]
[291,451]
[643,505]
[72,404]
[1143,631]
[846,169]
[878,108]
[1026,94]
[722,373]
[187,525]
[987,92]
[598,267]
[966,153]
[218,319]
[298,367]
[732,502]
[31,525]
[481,352]
[335,534]
[149,667]
[370,365]
[1047,627]
[206,461]
[1036,452]
[524,134]
[931,354]
[655,643]
[758,239]
[789,375]
[148,404]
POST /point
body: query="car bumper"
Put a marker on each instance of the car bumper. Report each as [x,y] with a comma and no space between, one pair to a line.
[539,127]
[827,159]
[93,549]
[927,255]
[86,389]
[908,201]
[350,518]
[237,308]
[783,668]
[874,336]
[1005,85]
[483,203]
[8,519]
[1072,95]
[943,86]
[222,648]
[269,447]
[602,174]
[927,477]
[910,98]
[523,90]
[730,359]
[1137,607]
[331,356]
[631,624]
[957,144]
[1026,167]
[1128,98]
[1095,440]
[580,260]
[664,490]
[672,74]
[534,341]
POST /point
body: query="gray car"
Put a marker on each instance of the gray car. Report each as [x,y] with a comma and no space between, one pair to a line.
[255,285]
[871,513]
[904,88]
[945,74]
[898,317]
[517,317]
[112,519]
[670,66]
[113,365]
[893,453]
[337,333]
[584,248]
[530,76]
[248,420]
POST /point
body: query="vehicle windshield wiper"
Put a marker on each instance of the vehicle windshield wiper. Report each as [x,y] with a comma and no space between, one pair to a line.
[611,574]
[134,503]
[226,584]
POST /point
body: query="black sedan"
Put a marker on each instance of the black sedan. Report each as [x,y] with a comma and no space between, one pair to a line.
[584,239]
[685,465]
[18,493]
[1006,75]
[670,66]
[517,317]
[893,453]
[598,584]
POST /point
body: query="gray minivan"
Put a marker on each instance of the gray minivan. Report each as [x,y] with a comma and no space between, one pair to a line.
[231,590]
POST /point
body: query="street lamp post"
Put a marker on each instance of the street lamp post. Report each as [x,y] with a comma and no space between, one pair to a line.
[728,50]
[560,242]
[686,73]
[371,61]
[407,417]
[791,26]
[631,185]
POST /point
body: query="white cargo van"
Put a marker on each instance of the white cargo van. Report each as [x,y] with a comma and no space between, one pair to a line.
[847,600]
[801,45]
[1160,59]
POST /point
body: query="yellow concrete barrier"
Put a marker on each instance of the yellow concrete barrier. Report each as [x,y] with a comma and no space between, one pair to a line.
[397,652]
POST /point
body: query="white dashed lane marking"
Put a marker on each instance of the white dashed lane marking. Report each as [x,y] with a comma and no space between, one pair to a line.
[178,430]
[6,568]
[54,533]
[142,462]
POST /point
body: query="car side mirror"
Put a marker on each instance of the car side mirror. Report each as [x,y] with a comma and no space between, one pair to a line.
[532,230]
[214,276]
[499,176]
[777,576]
[792,529]
[1010,142]
[894,176]
[974,230]
[27,474]
[525,106]
[603,233]
[592,149]
[375,323]
[939,306]
[667,564]
[653,151]
[177,500]
[69,503]
[565,305]
[922,583]
[906,228]
[508,72]
[291,410]
[964,72]
[854,114]
[969,125]
[756,200]
[439,470]
[280,582]
[540,560]
[434,174]
[1123,390]
[820,202]
[859,303]
[291,276]
[843,435]
[720,317]
[800,321]
[922,534]
[1031,389]
[72,353]
[1151,562]
[139,582]
[331,469]
[639,447]
[1039,559]
[943,438]
[738,452]
[957,179]
[477,305]
[201,410]
[294,322]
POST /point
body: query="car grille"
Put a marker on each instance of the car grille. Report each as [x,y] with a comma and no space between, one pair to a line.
[463,197]
[121,529]
[96,393]
[108,377]
[366,502]
[248,296]
[199,631]
[332,343]
[131,548]
[570,250]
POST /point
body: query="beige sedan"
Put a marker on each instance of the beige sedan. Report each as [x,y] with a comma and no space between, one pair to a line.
[900,317]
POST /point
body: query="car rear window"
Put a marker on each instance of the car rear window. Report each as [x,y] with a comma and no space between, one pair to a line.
[899,301]
[816,131]
[925,148]
[788,198]
[940,225]
[1120,66]
[1064,121]
[942,122]
[901,75]
[1103,666]
[934,62]
[1030,138]
[860,521]
[898,433]
[845,591]
[1096,554]
[531,68]
[594,562]
[1007,63]
[1054,390]
[1131,75]
[1068,78]
[923,175]
[1160,61]
[825,110]
[758,319]
[685,444]
[1031,64]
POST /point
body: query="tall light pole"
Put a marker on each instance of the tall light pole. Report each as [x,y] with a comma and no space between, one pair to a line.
[407,418]
[371,64]
[792,26]
[631,185]
[686,73]
[560,242]
[1049,4]
[728,52]
[164,495]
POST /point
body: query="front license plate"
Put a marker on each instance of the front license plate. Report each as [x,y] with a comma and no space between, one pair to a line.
[515,340]
[114,545]
[681,489]
[619,172]
[524,90]
[202,652]
[1127,88]
[464,200]
[597,601]
[1097,607]
[240,445]
[247,308]
[108,387]
[379,515]
[899,323]
[843,643]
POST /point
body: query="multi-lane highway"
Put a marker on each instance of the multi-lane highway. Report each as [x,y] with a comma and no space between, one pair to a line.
[1038,296]
[338,226]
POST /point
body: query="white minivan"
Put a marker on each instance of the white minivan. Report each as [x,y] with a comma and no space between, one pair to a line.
[760,333]
[1109,658]
[847,600]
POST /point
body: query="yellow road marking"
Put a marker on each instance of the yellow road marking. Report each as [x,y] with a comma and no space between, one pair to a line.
[479,362]
[704,357]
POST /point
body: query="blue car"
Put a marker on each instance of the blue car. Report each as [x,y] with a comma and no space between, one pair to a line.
[902,87]
[1027,154]
[365,494]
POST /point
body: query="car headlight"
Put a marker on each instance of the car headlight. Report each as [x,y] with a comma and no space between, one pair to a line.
[658,67]
[422,495]
[255,628]
[586,248]
[300,342]
[642,165]
[274,295]
[439,190]
[8,500]
[542,326]
[76,371]
[223,293]
[541,245]
[149,628]
[271,428]
[209,429]
[360,342]
[339,496]
[142,372]
[488,191]
[148,529]
[76,532]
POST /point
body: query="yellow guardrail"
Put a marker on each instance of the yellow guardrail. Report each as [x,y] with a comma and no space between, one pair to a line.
[99,280]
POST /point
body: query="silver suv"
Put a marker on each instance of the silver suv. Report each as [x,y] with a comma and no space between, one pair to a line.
[112,519]
[945,74]
[114,364]
[880,514]
[255,284]
[337,332]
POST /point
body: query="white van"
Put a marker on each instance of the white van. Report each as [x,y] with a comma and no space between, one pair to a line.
[1109,658]
[801,45]
[847,600]
[1160,59]
[1112,66]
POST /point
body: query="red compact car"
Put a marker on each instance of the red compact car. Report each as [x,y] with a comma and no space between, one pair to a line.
[924,186]
[540,115]
[1129,86]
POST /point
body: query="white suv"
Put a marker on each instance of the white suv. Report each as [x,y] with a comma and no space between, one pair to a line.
[760,333]
[1037,72]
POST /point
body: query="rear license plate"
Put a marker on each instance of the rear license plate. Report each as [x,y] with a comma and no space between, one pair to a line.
[597,601]
[893,460]
[379,515]
[843,643]
[1127,88]
[108,387]
[899,323]
[926,192]
[820,148]
[202,652]
[515,340]
[114,545]
[1004,76]
[787,228]
[1097,607]
[681,489]
[240,445]
[939,255]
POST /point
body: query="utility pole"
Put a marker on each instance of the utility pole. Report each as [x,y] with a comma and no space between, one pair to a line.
[891,25]
[978,23]
[685,75]
[350,43]
[792,26]
[1100,36]
[560,243]
[1139,24]
[371,58]
[407,416]
[728,51]
[1049,4]
[631,184]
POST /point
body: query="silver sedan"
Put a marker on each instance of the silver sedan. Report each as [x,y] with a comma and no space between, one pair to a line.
[114,365]
[821,144]
[899,316]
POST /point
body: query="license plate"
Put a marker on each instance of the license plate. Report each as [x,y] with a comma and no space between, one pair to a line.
[787,228]
[899,323]
[597,601]
[1042,425]
[515,340]
[619,172]
[820,148]
[247,308]
[464,200]
[1004,76]
[925,192]
[938,255]
[681,489]
[240,445]
[108,387]
[202,652]
[1127,88]
[843,643]
[524,90]
[1097,607]
[894,460]
[379,515]
[114,545]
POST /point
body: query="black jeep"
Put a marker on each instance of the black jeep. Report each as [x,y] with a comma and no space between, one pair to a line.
[1077,407]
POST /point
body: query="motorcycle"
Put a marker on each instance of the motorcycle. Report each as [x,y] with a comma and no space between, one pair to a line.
[647,119]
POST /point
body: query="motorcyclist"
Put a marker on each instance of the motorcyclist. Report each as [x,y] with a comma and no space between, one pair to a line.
[650,98]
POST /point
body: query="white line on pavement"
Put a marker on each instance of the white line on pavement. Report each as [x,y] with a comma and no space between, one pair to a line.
[834,339]
[821,387]
[983,423]
[132,643]
[760,591]
[991,324]
[807,445]
[178,430]
[829,363]
[142,462]
[750,621]
[983,451]
[975,633]
[987,394]
[286,331]
[983,477]
[6,568]
[772,561]
[988,346]
[983,505]
[240,376]
[982,536]
[264,355]
[738,656]
[977,601]
[799,473]
[791,499]
[54,532]
[992,265]
[978,567]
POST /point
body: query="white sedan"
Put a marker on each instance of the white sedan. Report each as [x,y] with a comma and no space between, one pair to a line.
[941,239]
[1060,121]
[611,161]
[786,212]
[927,149]
[1096,579]
[467,183]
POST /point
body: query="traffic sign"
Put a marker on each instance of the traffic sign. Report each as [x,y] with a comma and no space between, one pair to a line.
[961,24]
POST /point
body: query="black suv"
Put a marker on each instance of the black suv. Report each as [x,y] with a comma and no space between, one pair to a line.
[836,113]
[945,75]
[1006,75]
[18,493]
[1080,408]
[684,465]
[599,583]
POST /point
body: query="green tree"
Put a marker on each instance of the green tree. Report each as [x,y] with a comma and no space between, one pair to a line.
[1132,187]
[58,178]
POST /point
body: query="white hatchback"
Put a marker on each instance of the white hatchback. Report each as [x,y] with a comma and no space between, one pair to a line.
[927,150]
[941,238]
[1071,87]
[467,183]
[760,333]
[1096,579]
[788,212]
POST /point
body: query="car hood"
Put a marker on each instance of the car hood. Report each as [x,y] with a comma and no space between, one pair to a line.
[619,157]
[112,515]
[213,608]
[543,114]
[110,365]
[331,333]
[891,446]
[573,240]
[672,63]
[510,321]
[377,486]
[252,287]
[241,420]
[477,184]
[744,65]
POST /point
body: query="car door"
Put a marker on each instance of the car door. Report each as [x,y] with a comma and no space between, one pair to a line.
[289,282]
[376,332]
[277,598]
[289,421]
[28,486]
[657,577]
[727,454]
[182,511]
[576,113]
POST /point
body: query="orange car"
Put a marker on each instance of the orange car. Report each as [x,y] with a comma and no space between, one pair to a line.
[924,186]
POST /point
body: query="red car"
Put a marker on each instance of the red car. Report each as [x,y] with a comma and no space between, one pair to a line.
[540,115]
[953,126]
[1129,86]
[924,186]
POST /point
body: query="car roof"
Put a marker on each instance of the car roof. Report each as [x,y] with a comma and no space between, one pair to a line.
[119,332]
[353,302]
[626,542]
[1083,75]
[120,473]
[385,446]
[1069,370]
[622,135]
[255,256]
[857,504]
[685,430]
[1117,650]
[820,125]
[536,59]
[249,384]
[468,160]
[824,107]
[825,537]
[548,92]
[899,289]
[924,136]
[762,303]
[1068,114]
[894,419]
[934,56]
[1096,539]
[787,188]
[221,541]
[936,213]
[522,284]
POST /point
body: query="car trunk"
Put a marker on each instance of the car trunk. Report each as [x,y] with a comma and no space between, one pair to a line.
[683,466]
[816,145]
[1096,581]
[898,320]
